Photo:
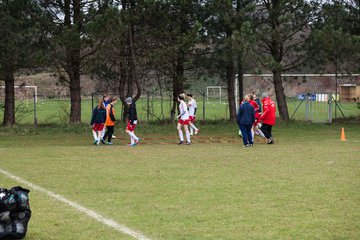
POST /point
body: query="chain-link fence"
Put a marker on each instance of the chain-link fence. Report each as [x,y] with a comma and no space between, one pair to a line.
[310,98]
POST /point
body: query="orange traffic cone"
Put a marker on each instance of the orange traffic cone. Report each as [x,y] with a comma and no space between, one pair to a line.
[342,137]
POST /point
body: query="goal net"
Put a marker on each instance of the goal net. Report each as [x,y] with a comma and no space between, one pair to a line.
[217,94]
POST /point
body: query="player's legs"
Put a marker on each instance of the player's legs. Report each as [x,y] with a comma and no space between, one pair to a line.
[193,128]
[271,139]
[187,133]
[106,133]
[244,134]
[264,129]
[102,135]
[181,135]
[253,132]
[132,134]
[109,133]
[95,135]
[249,133]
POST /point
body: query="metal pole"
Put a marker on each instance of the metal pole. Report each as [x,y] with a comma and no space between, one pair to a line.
[307,107]
[35,101]
[330,108]
[92,101]
[207,94]
[203,106]
[220,95]
[336,79]
[148,106]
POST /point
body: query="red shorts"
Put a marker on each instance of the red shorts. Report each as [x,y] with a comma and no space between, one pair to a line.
[98,126]
[130,127]
[184,122]
[192,119]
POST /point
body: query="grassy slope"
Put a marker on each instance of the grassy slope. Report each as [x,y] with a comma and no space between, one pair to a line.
[305,186]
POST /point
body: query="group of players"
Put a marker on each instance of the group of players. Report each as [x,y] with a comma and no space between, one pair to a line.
[103,116]
[252,119]
[187,117]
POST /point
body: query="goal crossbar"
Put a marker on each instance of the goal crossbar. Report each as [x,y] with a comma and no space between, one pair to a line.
[30,86]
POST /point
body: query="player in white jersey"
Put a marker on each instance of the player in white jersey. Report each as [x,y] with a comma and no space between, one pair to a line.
[183,120]
[192,114]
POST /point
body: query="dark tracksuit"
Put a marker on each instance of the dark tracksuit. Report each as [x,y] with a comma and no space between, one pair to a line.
[245,119]
[132,113]
[110,124]
[98,116]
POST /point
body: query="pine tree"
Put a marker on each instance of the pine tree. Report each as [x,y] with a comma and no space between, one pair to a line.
[20,45]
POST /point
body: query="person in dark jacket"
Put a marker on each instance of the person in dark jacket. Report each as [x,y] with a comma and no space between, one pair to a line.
[257,100]
[132,121]
[98,121]
[245,120]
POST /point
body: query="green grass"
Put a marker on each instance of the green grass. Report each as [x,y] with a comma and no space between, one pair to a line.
[306,186]
[52,111]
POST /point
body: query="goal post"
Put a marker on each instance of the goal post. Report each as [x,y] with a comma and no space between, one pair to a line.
[214,93]
[35,98]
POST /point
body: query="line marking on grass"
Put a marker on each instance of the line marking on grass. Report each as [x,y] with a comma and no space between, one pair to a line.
[98,217]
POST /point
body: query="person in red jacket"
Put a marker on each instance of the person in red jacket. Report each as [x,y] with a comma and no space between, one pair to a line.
[268,117]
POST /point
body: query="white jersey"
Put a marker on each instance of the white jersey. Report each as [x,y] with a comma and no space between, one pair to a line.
[192,105]
[183,111]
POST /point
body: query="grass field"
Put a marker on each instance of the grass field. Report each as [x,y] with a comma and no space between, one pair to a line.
[306,186]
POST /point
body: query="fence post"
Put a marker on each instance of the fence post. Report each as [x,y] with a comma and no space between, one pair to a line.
[35,115]
[203,106]
[330,108]
[148,106]
[307,107]
[92,101]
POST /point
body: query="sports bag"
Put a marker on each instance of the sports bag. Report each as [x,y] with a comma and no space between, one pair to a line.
[15,212]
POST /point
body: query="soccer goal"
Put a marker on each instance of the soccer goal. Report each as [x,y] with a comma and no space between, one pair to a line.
[215,93]
[26,98]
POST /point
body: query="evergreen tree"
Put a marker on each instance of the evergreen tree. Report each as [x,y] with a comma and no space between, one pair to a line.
[228,34]
[76,27]
[20,44]
[283,27]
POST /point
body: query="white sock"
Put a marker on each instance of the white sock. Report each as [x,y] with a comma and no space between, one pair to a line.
[261,134]
[94,134]
[187,136]
[133,136]
[192,126]
[252,134]
[181,135]
[103,133]
[191,130]
[132,140]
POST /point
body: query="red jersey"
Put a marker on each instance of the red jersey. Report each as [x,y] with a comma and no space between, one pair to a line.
[269,111]
[256,107]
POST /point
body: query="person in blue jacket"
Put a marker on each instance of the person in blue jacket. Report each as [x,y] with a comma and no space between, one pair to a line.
[245,120]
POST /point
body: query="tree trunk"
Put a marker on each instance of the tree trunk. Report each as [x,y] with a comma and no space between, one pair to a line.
[240,80]
[73,63]
[178,85]
[75,93]
[280,96]
[9,113]
[230,79]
